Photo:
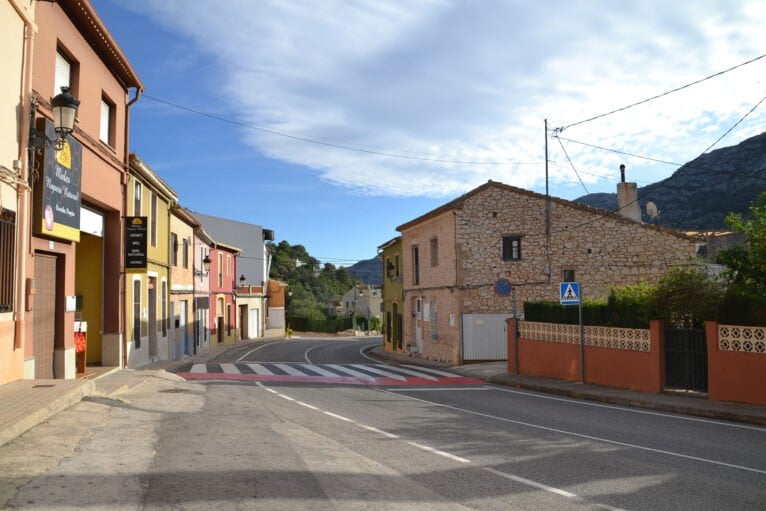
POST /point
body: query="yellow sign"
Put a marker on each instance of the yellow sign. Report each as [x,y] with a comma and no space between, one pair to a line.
[64,155]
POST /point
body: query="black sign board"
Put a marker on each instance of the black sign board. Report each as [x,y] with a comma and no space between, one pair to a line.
[57,197]
[135,242]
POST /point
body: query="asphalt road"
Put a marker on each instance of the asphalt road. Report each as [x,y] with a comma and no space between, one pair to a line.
[211,444]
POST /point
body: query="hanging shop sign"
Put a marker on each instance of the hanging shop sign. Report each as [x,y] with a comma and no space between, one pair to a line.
[135,242]
[57,191]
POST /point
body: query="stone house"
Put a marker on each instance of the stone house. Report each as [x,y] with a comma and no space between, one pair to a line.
[454,255]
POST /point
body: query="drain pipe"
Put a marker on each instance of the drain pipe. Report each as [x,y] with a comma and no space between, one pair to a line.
[123,327]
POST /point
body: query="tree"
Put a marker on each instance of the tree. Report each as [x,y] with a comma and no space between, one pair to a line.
[747,264]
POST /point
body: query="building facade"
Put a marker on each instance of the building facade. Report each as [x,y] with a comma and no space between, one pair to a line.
[363,301]
[455,255]
[182,314]
[17,29]
[276,302]
[223,271]
[202,263]
[147,300]
[393,295]
[251,317]
[69,270]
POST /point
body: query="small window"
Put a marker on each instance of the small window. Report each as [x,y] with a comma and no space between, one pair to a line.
[137,199]
[396,264]
[106,127]
[186,253]
[137,313]
[63,76]
[7,258]
[434,251]
[511,248]
[173,249]
[220,270]
[415,266]
[165,319]
[228,265]
[433,321]
[154,220]
[568,276]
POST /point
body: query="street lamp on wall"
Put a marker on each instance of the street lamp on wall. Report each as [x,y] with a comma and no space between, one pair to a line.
[242,280]
[205,267]
[64,116]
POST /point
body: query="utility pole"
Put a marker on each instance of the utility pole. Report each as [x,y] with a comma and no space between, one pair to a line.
[547,210]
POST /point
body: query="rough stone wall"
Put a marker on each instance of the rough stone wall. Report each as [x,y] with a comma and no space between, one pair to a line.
[436,284]
[603,251]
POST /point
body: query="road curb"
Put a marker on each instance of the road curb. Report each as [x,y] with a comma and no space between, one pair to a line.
[502,379]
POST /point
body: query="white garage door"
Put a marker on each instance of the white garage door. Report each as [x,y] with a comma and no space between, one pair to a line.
[484,336]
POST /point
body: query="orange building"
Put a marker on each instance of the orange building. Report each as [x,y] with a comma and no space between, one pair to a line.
[73,261]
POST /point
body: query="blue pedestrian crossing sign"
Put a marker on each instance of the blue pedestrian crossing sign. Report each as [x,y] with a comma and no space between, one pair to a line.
[569,293]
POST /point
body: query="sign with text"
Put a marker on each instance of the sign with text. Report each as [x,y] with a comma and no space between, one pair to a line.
[57,204]
[135,242]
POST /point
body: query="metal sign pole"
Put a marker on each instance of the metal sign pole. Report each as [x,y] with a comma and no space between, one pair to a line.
[515,333]
[582,342]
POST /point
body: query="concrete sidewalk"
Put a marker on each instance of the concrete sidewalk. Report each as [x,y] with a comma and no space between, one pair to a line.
[497,372]
[26,403]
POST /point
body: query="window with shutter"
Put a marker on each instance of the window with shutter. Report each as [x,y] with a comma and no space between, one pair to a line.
[63,77]
[105,128]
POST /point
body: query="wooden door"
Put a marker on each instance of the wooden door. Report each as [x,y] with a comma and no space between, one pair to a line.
[44,324]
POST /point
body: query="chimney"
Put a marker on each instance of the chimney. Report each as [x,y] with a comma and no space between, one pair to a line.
[627,198]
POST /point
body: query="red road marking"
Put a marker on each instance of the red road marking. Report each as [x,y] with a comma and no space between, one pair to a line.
[349,380]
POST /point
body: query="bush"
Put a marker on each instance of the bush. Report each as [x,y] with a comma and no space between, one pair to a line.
[375,323]
[685,298]
[739,306]
[593,312]
[330,326]
[630,306]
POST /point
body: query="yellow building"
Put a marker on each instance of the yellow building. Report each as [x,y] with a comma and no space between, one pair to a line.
[393,294]
[147,265]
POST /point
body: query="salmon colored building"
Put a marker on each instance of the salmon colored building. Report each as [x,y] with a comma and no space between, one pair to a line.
[71,256]
[223,274]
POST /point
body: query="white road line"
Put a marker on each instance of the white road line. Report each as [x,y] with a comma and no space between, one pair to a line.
[290,370]
[379,431]
[229,368]
[437,451]
[199,368]
[240,359]
[545,487]
[338,416]
[419,374]
[645,412]
[436,389]
[348,371]
[259,369]
[306,353]
[581,435]
[434,371]
[365,355]
[320,371]
[307,405]
[381,372]
[285,397]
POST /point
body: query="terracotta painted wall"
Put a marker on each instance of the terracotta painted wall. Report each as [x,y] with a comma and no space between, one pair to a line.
[732,375]
[224,291]
[627,369]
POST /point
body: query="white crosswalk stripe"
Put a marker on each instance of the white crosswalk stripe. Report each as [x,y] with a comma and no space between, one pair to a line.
[400,373]
[434,371]
[387,374]
[292,371]
[259,369]
[349,371]
[230,369]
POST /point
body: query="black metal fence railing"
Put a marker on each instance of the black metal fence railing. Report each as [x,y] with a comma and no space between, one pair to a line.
[7,259]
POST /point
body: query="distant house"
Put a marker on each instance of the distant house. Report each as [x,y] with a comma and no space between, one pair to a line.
[362,300]
[458,257]
[390,253]
[223,271]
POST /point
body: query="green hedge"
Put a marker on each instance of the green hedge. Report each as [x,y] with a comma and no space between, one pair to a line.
[304,324]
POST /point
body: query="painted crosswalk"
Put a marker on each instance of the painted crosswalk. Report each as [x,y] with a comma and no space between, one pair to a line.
[353,374]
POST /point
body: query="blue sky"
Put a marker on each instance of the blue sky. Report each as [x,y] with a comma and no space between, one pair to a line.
[430,80]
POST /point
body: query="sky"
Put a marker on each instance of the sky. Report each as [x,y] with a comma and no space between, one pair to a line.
[332,122]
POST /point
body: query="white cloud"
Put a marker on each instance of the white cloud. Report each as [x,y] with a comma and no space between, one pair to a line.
[472,81]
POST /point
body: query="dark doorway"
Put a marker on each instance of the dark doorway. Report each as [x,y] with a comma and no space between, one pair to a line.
[44,323]
[686,359]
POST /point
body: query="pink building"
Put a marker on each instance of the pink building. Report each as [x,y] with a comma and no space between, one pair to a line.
[223,276]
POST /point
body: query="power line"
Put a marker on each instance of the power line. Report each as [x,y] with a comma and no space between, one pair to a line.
[330,144]
[735,125]
[637,103]
[657,160]
[572,164]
